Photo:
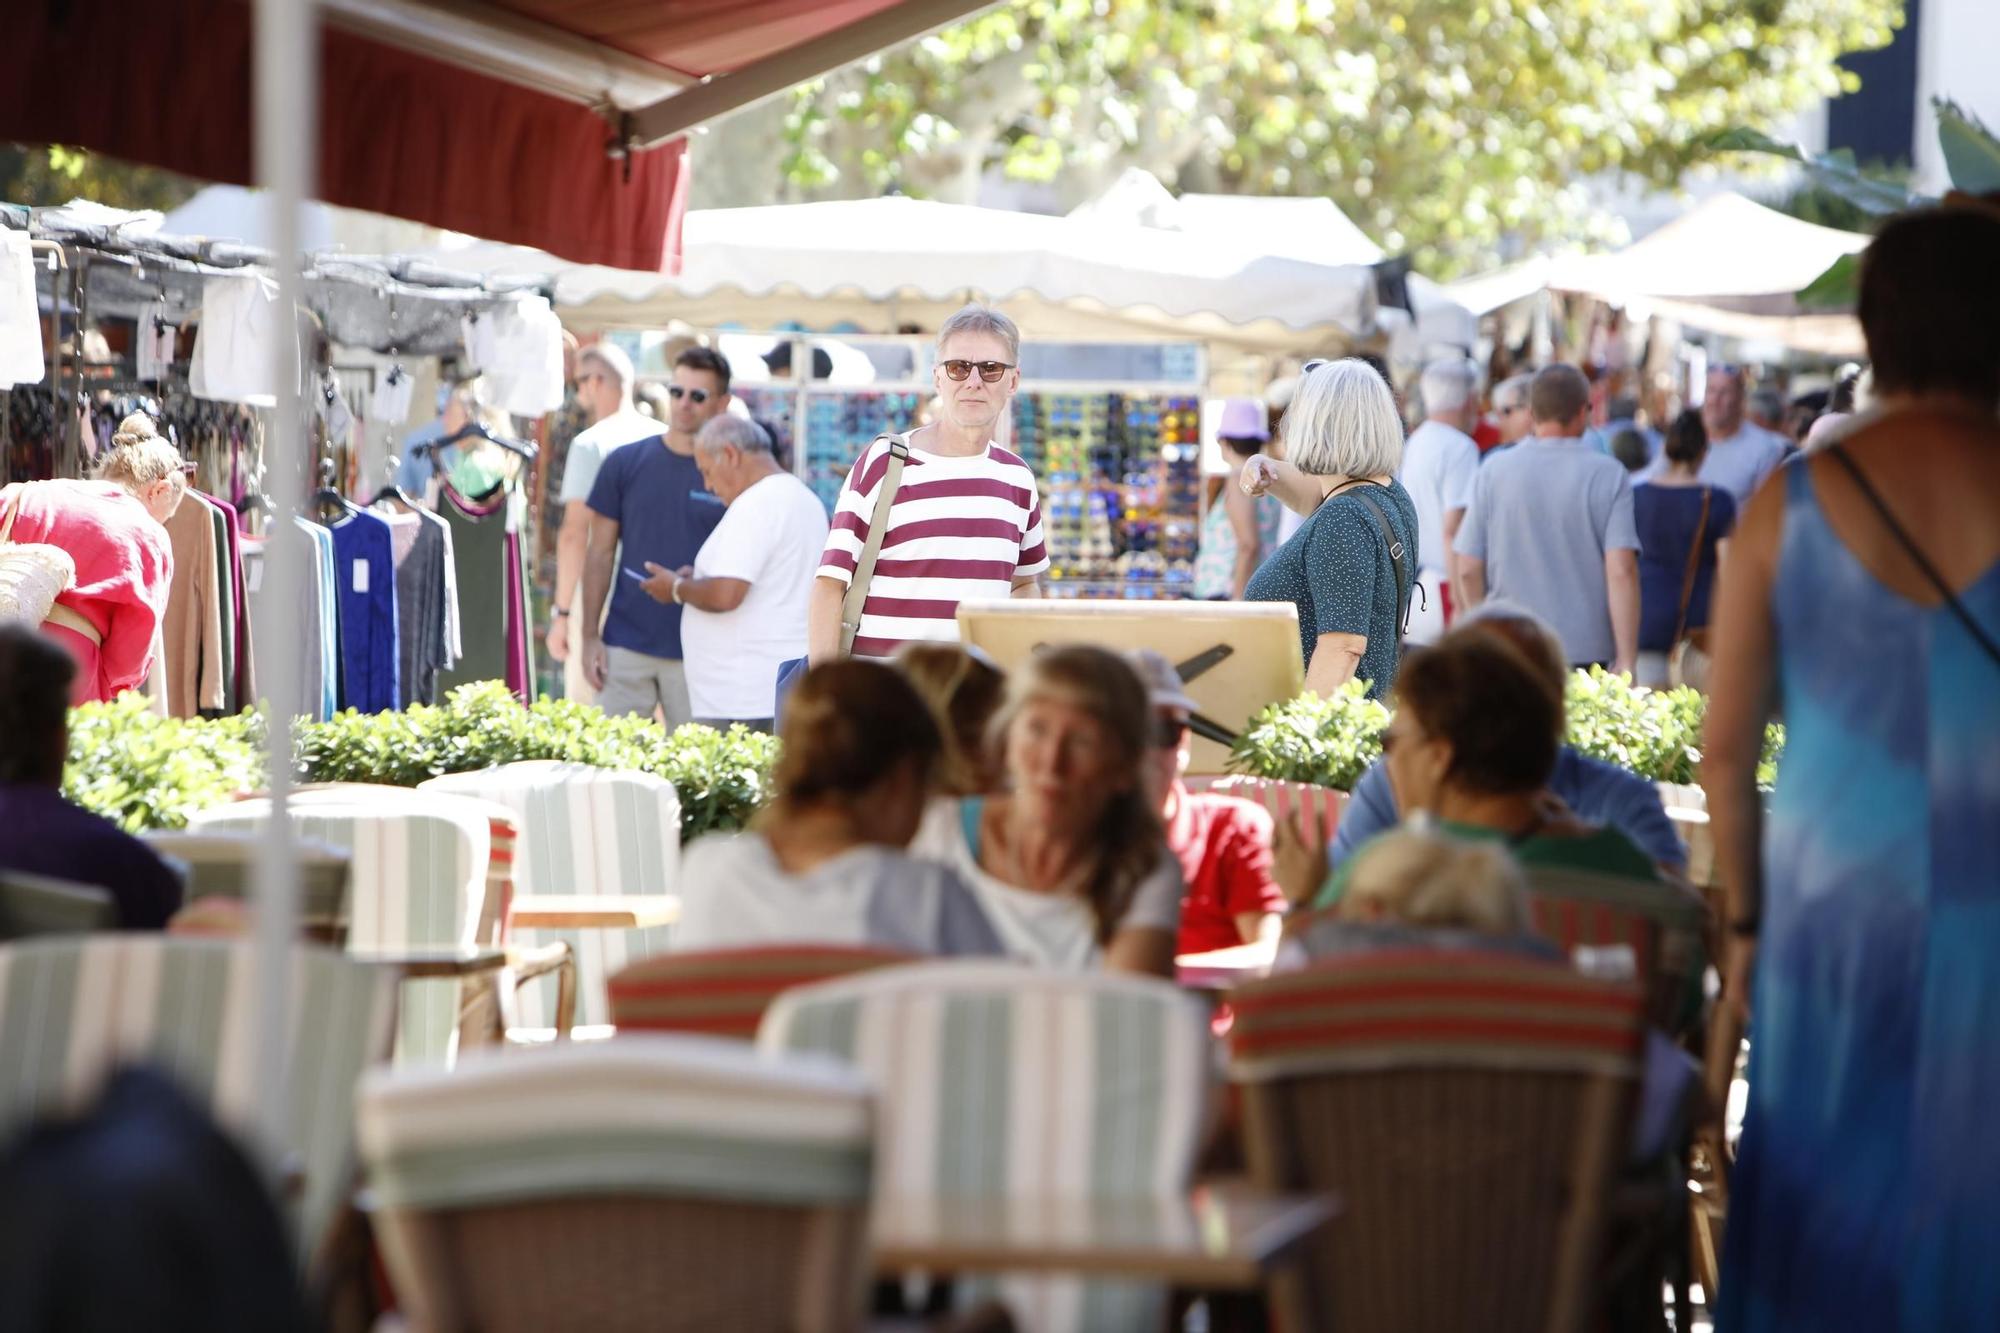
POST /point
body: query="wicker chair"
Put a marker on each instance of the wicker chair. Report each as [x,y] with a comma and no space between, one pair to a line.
[39,905]
[74,1008]
[1470,1111]
[724,992]
[999,1081]
[586,830]
[659,1183]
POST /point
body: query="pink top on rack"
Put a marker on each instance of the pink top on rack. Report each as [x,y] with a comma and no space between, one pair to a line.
[123,568]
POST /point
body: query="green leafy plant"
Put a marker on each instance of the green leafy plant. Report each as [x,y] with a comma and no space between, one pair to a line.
[1332,741]
[143,771]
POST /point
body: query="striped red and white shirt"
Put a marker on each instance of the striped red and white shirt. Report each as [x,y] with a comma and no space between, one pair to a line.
[960,529]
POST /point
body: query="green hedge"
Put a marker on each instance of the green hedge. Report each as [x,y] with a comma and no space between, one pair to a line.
[1332,741]
[149,772]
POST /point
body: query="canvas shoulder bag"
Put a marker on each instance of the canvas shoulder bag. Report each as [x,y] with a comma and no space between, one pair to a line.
[871,548]
[1687,660]
[32,574]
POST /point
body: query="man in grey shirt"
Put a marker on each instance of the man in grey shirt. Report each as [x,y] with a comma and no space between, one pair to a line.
[1740,452]
[1550,528]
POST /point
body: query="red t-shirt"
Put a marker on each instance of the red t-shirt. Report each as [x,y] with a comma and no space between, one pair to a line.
[1224,846]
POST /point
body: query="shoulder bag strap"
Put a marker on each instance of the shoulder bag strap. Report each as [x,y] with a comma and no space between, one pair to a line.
[871,549]
[1399,556]
[1694,563]
[1923,563]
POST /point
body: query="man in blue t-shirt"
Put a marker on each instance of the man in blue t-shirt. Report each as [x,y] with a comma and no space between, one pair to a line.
[649,515]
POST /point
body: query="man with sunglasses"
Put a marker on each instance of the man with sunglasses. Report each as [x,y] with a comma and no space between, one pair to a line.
[604,382]
[650,510]
[965,522]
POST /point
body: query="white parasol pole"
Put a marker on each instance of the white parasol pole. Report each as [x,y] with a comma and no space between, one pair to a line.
[285,80]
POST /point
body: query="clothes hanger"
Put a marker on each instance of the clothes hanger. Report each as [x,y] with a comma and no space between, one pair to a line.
[327,498]
[391,491]
[473,430]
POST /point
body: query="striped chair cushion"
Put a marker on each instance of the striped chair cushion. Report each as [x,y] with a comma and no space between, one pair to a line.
[659,1114]
[999,1081]
[419,878]
[1322,806]
[584,830]
[1662,923]
[73,1008]
[724,992]
[1428,1008]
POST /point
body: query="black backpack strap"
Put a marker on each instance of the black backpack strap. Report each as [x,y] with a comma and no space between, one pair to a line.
[1399,556]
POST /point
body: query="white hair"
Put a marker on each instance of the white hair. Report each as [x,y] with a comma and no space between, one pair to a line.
[613,358]
[1449,384]
[139,455]
[1343,422]
[726,428]
[981,319]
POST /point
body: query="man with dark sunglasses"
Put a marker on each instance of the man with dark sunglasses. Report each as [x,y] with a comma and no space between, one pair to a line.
[650,509]
[964,523]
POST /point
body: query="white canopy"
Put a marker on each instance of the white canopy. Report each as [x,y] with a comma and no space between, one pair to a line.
[879,263]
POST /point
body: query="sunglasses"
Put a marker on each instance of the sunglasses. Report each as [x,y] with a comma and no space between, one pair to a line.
[676,392]
[1167,732]
[989,371]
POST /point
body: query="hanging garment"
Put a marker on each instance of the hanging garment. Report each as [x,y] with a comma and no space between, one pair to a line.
[389,404]
[21,359]
[421,548]
[153,344]
[479,557]
[240,691]
[365,575]
[522,344]
[232,349]
[220,524]
[191,665]
[329,619]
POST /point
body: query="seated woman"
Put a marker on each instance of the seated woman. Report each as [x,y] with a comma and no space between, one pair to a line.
[964,690]
[1071,862]
[824,863]
[1473,744]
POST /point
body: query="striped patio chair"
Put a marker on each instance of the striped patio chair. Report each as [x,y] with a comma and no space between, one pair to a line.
[1004,1082]
[585,830]
[1322,806]
[41,905]
[1663,923]
[420,877]
[652,1183]
[724,992]
[222,864]
[74,1008]
[1471,1111]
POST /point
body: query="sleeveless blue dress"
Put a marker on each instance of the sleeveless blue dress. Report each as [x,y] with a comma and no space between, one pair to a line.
[1867,1189]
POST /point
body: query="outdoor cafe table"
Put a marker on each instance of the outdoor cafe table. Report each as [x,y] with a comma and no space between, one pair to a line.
[1221,1237]
[583,911]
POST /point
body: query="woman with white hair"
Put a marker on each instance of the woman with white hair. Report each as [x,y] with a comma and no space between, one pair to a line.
[1343,443]
[112,530]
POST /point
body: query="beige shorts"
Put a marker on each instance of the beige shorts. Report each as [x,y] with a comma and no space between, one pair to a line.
[638,683]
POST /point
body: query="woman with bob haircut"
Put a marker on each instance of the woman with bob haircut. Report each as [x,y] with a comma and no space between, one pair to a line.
[1343,443]
[825,861]
[1071,861]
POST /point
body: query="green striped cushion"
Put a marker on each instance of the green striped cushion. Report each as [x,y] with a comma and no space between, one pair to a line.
[724,992]
[73,1008]
[1418,1008]
[590,831]
[418,879]
[662,1115]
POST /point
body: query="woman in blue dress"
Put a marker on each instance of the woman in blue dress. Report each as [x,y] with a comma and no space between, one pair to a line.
[1861,600]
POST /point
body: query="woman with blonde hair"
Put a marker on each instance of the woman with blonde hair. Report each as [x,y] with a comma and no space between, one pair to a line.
[1350,569]
[1070,862]
[964,690]
[825,862]
[112,530]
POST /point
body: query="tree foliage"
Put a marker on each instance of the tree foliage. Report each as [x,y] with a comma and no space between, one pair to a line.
[47,175]
[1440,126]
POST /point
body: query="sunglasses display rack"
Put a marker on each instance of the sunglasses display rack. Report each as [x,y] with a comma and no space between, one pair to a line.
[1120,490]
[777,410]
[839,425]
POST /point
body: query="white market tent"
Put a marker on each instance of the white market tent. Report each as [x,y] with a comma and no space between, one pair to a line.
[876,264]
[1729,265]
[1311,229]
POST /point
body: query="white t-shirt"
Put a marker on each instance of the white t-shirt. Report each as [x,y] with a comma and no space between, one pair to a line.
[587,451]
[734,892]
[1439,463]
[771,538]
[1047,929]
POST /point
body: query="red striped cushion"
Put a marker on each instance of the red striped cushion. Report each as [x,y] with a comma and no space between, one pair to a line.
[724,992]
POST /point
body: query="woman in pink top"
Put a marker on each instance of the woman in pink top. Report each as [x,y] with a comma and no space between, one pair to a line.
[111,527]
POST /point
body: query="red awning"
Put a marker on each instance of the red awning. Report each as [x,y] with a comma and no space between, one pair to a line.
[495,119]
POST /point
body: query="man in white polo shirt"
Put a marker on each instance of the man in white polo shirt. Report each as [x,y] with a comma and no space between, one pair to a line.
[745,594]
[1439,462]
[604,387]
[966,521]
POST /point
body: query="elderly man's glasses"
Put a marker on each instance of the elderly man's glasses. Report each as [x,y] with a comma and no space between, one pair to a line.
[677,392]
[990,371]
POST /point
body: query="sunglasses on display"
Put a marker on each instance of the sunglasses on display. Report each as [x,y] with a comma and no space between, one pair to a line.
[676,392]
[990,371]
